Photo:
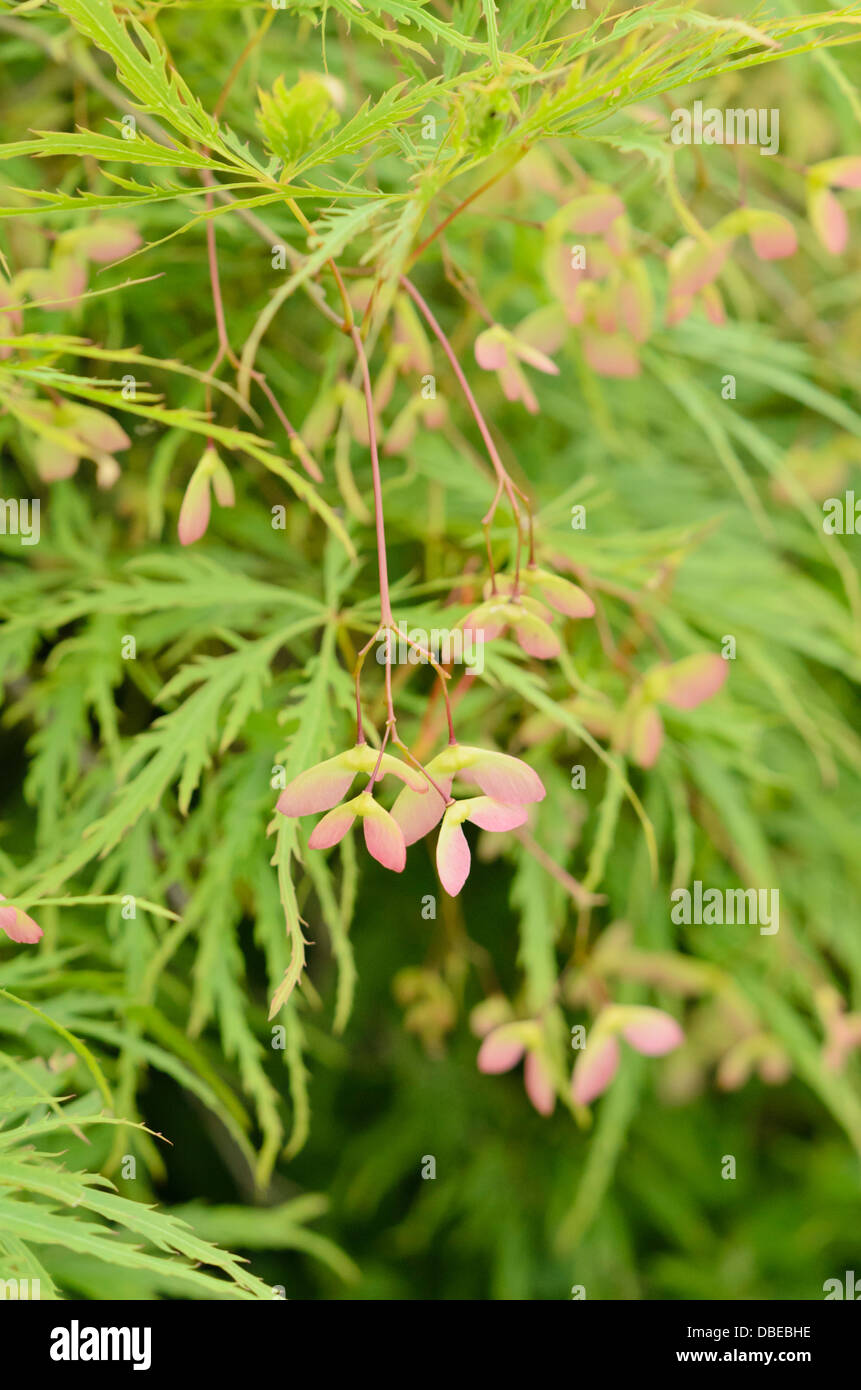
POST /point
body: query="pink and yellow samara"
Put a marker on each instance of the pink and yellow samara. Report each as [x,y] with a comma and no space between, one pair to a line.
[507,786]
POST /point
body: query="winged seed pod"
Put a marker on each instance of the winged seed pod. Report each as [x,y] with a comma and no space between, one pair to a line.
[567,598]
[510,1043]
[497,350]
[498,775]
[591,214]
[323,787]
[453,857]
[101,242]
[827,215]
[211,474]
[11,318]
[383,837]
[684,685]
[524,616]
[506,607]
[649,1031]
[842,1029]
[18,926]
[760,1054]
[66,432]
[507,783]
[64,280]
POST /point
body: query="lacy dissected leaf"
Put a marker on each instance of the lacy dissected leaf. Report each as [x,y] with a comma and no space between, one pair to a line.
[143,67]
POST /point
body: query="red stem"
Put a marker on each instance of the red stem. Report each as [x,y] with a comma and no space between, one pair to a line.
[385,604]
[505,483]
[218,304]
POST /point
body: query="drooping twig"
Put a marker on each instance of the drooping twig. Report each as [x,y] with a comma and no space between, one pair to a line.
[504,483]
